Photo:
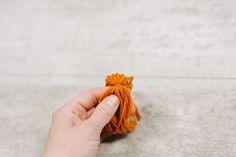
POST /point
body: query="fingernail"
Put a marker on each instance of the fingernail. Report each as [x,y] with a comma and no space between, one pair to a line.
[113,101]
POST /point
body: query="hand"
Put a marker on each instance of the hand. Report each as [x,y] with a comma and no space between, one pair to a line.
[76,126]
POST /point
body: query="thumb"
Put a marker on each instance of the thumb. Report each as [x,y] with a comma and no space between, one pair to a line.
[104,112]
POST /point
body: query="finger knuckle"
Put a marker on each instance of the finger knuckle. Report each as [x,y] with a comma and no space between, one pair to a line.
[91,89]
[56,113]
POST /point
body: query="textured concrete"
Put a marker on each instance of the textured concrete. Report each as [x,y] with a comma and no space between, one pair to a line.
[181,52]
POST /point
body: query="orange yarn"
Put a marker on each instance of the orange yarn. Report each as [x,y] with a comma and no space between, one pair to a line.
[127,115]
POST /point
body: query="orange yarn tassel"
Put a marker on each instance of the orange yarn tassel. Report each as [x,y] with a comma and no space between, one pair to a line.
[127,115]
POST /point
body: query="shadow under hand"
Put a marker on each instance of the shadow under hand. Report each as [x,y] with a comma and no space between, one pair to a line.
[108,138]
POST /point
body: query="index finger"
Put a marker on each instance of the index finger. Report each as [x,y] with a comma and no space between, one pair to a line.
[88,99]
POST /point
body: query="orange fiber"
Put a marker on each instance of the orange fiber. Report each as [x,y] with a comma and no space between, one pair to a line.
[127,115]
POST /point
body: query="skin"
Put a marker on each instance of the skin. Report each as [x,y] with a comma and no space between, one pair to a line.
[76,126]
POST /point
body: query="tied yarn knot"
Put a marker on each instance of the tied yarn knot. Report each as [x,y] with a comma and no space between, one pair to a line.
[127,115]
[119,80]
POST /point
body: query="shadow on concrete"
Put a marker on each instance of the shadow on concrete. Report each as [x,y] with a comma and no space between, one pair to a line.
[112,138]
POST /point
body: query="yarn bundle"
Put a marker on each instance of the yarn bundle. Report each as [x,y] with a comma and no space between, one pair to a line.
[127,115]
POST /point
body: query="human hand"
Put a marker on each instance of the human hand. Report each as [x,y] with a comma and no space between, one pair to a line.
[76,126]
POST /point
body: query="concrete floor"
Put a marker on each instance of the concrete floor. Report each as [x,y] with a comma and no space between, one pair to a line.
[182,54]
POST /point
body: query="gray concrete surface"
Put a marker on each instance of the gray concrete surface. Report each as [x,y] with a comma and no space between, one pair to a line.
[181,52]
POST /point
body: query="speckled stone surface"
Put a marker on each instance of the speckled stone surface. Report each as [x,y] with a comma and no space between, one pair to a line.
[181,53]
